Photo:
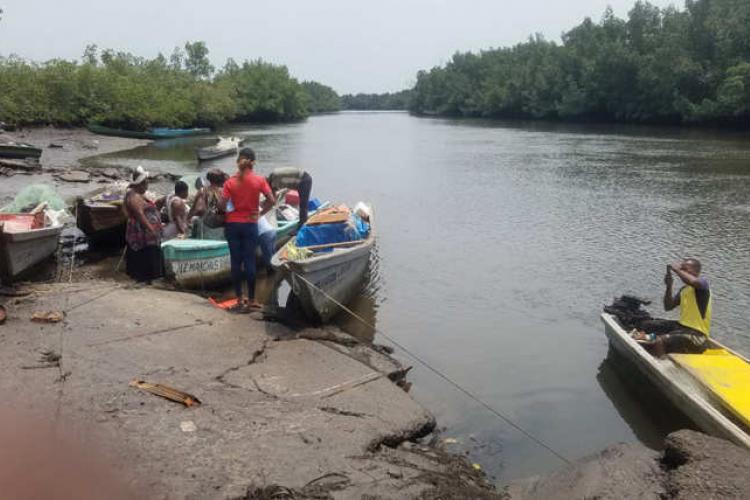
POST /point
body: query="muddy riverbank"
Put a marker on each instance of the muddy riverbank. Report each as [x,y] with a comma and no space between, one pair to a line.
[63,161]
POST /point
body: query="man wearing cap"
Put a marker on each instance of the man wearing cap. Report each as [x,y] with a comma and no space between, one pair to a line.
[293,178]
[241,227]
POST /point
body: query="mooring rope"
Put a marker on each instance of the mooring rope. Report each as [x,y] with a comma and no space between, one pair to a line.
[439,373]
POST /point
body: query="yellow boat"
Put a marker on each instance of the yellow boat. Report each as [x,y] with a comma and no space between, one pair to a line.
[712,389]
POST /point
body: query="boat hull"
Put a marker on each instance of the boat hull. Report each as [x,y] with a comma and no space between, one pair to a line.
[676,385]
[339,274]
[207,154]
[19,151]
[21,250]
[103,223]
[152,134]
[197,264]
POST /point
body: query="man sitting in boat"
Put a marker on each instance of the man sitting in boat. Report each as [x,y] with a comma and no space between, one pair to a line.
[293,178]
[690,332]
[176,211]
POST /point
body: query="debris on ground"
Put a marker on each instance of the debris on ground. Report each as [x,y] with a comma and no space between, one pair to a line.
[167,392]
[3,314]
[48,317]
[188,426]
[74,176]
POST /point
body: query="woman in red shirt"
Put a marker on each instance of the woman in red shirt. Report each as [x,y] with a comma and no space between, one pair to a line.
[243,189]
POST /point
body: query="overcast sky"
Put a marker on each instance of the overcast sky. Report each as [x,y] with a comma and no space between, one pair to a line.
[351,45]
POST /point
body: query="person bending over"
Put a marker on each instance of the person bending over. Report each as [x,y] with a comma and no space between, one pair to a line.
[690,333]
[293,178]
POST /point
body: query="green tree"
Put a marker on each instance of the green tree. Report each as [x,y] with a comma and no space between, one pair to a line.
[196,61]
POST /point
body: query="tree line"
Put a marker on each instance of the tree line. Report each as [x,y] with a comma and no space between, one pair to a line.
[123,90]
[658,65]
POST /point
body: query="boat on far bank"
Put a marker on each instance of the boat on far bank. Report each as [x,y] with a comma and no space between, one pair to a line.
[19,150]
[153,133]
[712,388]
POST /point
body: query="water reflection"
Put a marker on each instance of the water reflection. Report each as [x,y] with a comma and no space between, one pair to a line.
[646,410]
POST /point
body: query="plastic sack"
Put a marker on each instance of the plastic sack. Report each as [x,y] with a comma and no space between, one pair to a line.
[324,234]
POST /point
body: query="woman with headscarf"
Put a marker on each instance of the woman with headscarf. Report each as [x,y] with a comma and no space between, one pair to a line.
[243,189]
[143,232]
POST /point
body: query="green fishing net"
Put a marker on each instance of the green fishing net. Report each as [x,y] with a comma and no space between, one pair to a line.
[31,196]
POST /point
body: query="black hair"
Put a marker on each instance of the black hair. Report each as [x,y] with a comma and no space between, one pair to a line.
[180,187]
[247,153]
[694,262]
[216,177]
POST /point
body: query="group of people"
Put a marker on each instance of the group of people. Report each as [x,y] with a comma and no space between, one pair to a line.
[227,207]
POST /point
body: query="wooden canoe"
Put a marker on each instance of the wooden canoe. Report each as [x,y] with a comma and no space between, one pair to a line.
[102,221]
[685,389]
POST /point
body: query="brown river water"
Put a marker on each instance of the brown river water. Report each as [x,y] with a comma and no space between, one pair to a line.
[500,242]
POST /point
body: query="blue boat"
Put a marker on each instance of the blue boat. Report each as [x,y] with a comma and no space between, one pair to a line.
[151,133]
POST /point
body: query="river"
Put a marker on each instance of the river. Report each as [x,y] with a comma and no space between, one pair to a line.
[498,245]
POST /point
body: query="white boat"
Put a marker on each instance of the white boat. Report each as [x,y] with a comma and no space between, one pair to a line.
[21,248]
[697,396]
[225,146]
[324,280]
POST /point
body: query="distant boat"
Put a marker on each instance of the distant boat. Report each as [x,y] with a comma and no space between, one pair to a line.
[151,133]
[225,146]
[18,150]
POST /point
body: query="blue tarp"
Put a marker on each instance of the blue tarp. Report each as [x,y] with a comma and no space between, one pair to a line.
[323,234]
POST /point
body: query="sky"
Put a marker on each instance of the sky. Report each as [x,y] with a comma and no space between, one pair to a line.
[353,46]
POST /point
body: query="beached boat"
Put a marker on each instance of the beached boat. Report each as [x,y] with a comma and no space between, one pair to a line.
[330,274]
[19,150]
[197,264]
[224,147]
[24,242]
[151,133]
[101,217]
[712,389]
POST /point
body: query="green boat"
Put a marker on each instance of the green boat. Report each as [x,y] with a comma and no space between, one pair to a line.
[19,150]
[151,133]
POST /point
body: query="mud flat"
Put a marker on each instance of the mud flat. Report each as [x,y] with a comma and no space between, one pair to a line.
[311,413]
[63,150]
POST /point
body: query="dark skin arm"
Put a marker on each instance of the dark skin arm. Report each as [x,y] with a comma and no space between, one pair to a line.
[670,301]
[268,203]
[199,204]
[179,214]
[686,276]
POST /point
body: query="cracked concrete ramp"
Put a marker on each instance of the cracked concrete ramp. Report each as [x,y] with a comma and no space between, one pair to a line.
[293,413]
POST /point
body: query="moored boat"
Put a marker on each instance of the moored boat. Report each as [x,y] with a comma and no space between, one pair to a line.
[101,216]
[712,388]
[197,264]
[24,242]
[151,133]
[225,146]
[325,275]
[19,150]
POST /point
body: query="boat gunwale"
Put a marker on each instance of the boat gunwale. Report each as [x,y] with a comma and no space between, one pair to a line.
[708,409]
